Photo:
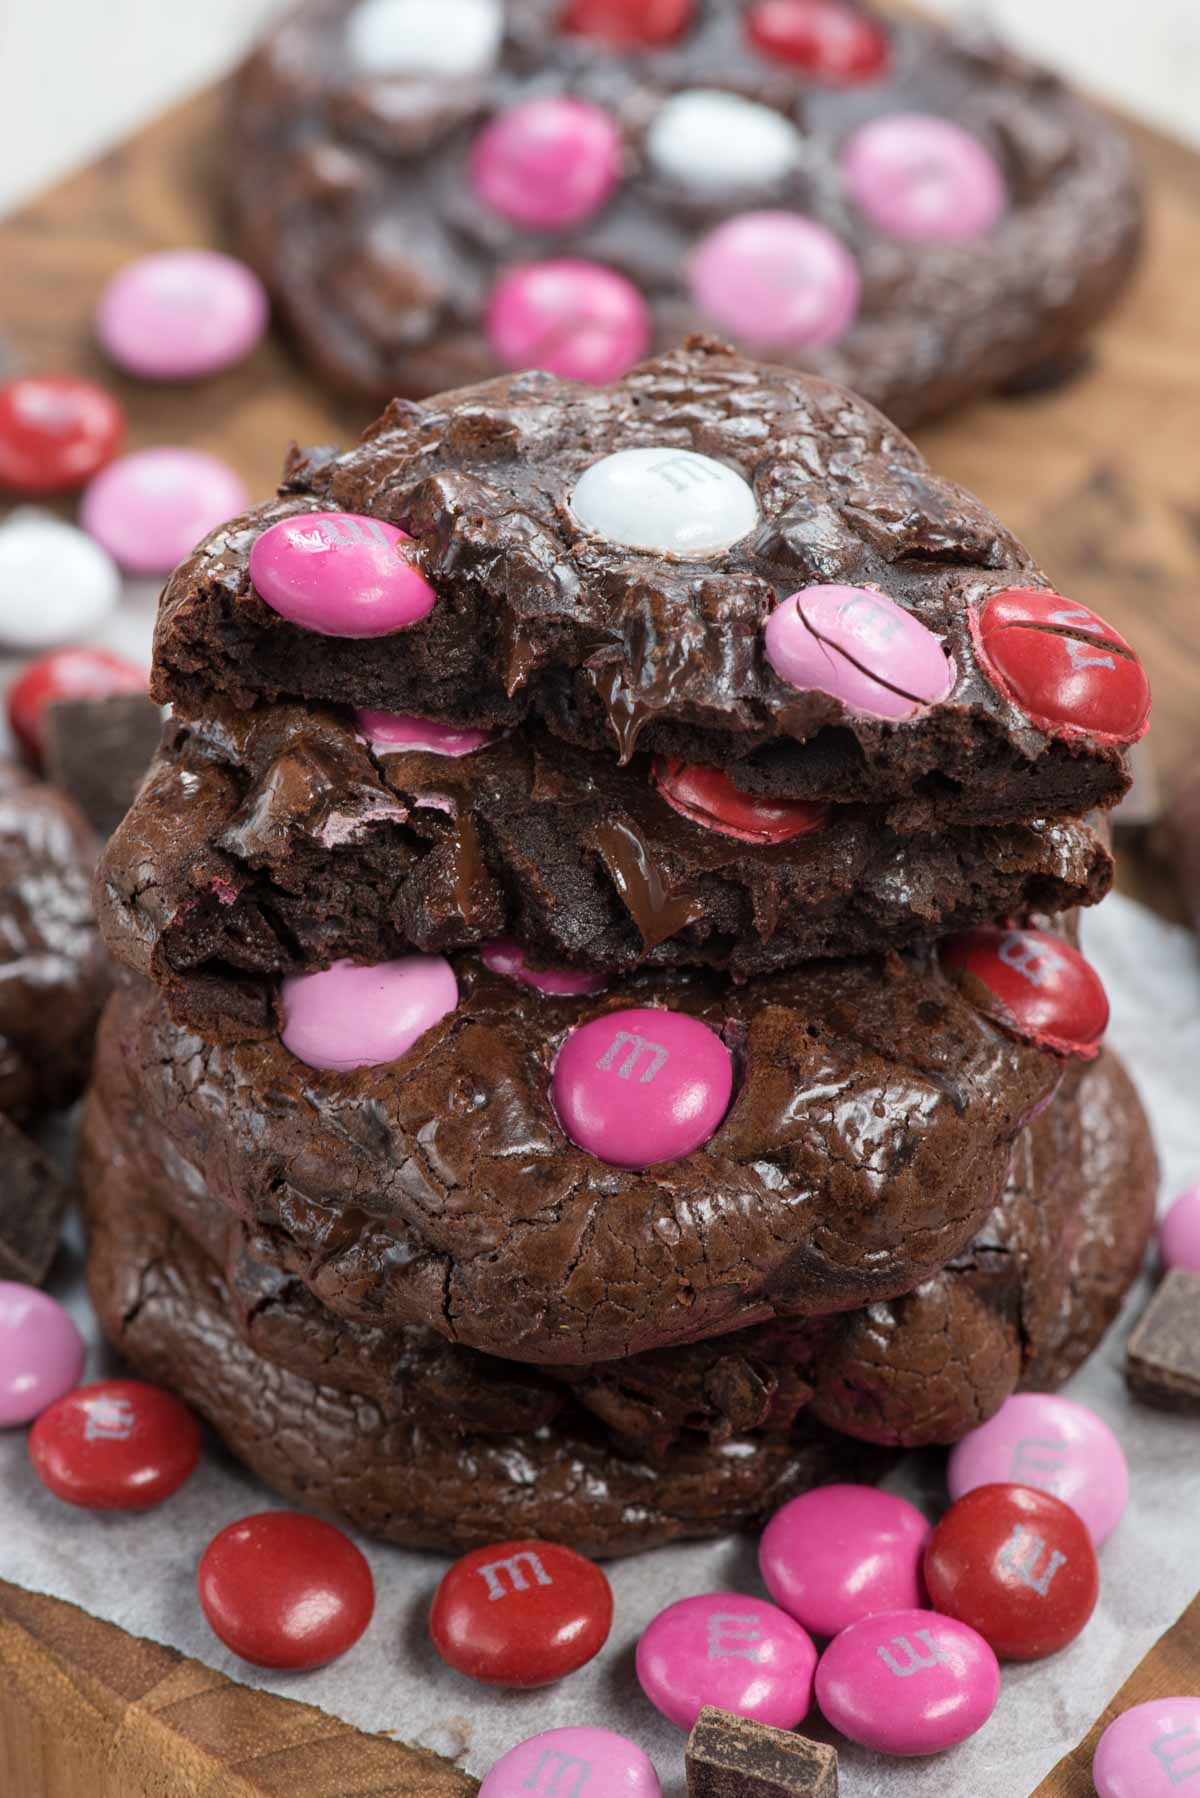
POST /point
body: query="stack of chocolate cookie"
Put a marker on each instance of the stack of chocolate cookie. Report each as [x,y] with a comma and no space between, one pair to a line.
[595,1054]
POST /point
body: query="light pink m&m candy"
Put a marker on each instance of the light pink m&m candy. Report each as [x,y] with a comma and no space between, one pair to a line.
[908,1682]
[1179,1232]
[923,179]
[859,647]
[41,1352]
[777,279]
[180,314]
[506,957]
[1150,1751]
[641,1086]
[573,1763]
[1039,1439]
[578,319]
[547,163]
[398,733]
[150,509]
[840,1553]
[340,574]
[741,1654]
[360,1017]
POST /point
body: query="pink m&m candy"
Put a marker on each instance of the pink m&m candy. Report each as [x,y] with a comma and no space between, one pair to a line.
[1054,1444]
[547,163]
[860,647]
[908,1682]
[1179,1232]
[506,957]
[642,1086]
[841,1553]
[180,314]
[360,1017]
[1151,1751]
[340,574]
[923,179]
[573,1763]
[741,1654]
[777,279]
[150,509]
[578,319]
[399,733]
[41,1352]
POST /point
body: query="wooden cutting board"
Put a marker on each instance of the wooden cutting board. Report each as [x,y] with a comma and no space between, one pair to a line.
[1099,478]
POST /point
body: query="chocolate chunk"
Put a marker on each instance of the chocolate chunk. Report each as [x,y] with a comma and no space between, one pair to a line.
[33,1204]
[1162,1366]
[98,751]
[732,1757]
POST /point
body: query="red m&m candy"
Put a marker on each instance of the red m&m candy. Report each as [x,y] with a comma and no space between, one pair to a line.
[629,24]
[641,1086]
[1032,984]
[709,797]
[826,38]
[340,574]
[1016,1564]
[56,431]
[521,1613]
[1068,670]
[66,674]
[285,1590]
[117,1446]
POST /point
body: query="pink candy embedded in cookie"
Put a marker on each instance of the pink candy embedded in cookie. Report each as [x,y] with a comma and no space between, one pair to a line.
[349,1016]
[923,179]
[573,1763]
[547,163]
[776,279]
[860,647]
[578,319]
[843,1552]
[908,1682]
[506,957]
[400,733]
[340,574]
[642,1086]
[740,1654]
[1054,1444]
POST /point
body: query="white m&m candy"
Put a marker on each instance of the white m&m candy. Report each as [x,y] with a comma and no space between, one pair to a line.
[713,142]
[671,501]
[424,37]
[55,583]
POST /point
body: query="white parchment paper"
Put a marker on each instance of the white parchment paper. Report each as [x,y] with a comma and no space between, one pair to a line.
[139,1571]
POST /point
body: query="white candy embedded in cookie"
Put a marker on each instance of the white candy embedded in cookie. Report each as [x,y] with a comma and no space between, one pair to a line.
[424,37]
[715,142]
[668,500]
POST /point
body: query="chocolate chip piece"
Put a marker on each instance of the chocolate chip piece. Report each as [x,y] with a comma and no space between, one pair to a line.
[731,1757]
[1163,1363]
[98,751]
[33,1203]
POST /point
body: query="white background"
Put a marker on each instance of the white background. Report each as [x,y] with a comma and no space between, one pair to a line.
[77,75]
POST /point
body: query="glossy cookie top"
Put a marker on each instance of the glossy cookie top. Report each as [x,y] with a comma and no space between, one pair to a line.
[714,559]
[441,189]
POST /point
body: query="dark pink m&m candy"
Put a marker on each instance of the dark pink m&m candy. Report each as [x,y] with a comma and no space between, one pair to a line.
[578,319]
[285,1590]
[859,646]
[908,1682]
[708,797]
[740,1654]
[340,574]
[776,278]
[923,179]
[400,733]
[641,1086]
[842,1552]
[349,1016]
[1068,670]
[548,163]
[506,957]
[1032,984]
[119,1445]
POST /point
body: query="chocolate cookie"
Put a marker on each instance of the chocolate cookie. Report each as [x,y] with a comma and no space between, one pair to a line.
[421,1484]
[712,560]
[53,970]
[275,842]
[873,1112]
[438,191]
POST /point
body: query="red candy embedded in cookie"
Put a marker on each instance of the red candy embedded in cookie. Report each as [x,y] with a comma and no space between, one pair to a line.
[642,1086]
[285,1590]
[629,24]
[1032,984]
[1063,665]
[828,40]
[66,674]
[521,1613]
[340,575]
[709,798]
[56,432]
[119,1445]
[1016,1564]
